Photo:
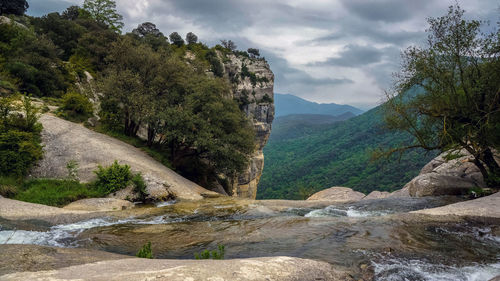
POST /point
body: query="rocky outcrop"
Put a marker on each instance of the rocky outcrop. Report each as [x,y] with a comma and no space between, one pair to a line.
[442,177]
[129,269]
[253,82]
[337,194]
[377,195]
[485,207]
[65,141]
[99,204]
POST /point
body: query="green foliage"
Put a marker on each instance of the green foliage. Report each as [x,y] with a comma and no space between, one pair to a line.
[145,252]
[139,186]
[266,99]
[326,154]
[75,107]
[447,94]
[214,254]
[112,178]
[191,38]
[216,66]
[72,167]
[54,192]
[13,7]
[176,39]
[9,186]
[104,11]
[19,137]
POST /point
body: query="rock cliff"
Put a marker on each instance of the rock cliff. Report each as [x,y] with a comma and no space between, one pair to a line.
[252,81]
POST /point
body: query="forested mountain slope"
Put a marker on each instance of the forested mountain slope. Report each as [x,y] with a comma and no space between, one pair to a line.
[337,155]
[289,104]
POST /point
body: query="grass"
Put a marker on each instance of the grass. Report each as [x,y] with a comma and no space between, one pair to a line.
[53,192]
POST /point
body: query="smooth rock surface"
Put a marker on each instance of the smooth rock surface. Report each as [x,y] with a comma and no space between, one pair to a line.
[485,207]
[99,204]
[65,141]
[377,195]
[337,194]
[442,177]
[14,209]
[272,268]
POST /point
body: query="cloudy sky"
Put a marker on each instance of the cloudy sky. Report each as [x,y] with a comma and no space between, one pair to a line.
[340,51]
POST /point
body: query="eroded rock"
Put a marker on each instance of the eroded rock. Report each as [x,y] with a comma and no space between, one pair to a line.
[99,204]
[337,194]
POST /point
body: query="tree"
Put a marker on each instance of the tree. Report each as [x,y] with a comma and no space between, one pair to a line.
[71,13]
[254,52]
[147,28]
[104,11]
[176,39]
[228,44]
[448,93]
[14,7]
[191,38]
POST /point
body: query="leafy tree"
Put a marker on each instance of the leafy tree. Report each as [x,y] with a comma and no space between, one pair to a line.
[104,11]
[14,7]
[176,39]
[147,28]
[228,44]
[191,38]
[71,13]
[254,52]
[448,92]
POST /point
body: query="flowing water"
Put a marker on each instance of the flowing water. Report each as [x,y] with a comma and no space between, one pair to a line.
[370,238]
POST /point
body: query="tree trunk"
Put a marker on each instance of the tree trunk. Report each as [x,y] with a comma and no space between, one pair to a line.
[492,178]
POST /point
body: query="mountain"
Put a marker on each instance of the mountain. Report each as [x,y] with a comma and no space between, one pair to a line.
[289,104]
[297,125]
[335,154]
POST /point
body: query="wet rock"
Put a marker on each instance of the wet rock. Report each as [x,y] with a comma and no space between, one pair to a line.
[272,268]
[14,209]
[99,204]
[376,195]
[495,278]
[485,207]
[337,194]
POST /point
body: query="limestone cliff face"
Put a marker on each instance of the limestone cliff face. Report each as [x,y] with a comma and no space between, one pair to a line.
[253,82]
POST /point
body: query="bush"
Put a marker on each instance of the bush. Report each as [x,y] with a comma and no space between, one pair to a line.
[140,186]
[76,107]
[215,254]
[145,252]
[113,178]
[9,187]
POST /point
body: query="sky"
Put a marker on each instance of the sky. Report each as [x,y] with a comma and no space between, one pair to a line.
[326,51]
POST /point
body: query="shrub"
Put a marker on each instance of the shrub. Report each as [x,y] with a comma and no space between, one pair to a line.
[76,107]
[140,186]
[112,178]
[215,254]
[145,252]
[9,186]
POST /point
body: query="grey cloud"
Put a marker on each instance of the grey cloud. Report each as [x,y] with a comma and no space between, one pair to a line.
[385,10]
[355,55]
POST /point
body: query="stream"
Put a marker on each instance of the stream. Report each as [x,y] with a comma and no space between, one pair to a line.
[375,236]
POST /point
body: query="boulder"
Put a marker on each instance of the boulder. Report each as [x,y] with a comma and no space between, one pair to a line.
[100,204]
[443,177]
[64,141]
[377,195]
[337,194]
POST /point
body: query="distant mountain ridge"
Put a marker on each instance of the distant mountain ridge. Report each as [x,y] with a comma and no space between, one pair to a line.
[301,157]
[287,104]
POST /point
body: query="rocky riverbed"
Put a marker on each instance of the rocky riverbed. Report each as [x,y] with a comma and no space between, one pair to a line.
[379,239]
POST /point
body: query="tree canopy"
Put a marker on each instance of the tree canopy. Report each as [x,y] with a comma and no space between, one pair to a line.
[448,92]
[104,11]
[14,7]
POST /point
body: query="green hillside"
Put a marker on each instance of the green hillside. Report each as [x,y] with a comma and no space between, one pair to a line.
[338,154]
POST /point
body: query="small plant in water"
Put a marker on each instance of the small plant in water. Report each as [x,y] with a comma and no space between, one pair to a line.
[145,252]
[215,254]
